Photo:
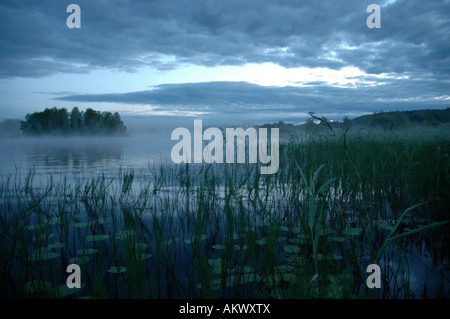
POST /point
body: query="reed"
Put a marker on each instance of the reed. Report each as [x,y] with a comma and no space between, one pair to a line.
[339,202]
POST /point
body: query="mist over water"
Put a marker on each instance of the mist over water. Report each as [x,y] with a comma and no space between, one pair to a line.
[147,144]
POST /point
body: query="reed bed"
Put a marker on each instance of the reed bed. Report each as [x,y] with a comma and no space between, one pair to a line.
[338,203]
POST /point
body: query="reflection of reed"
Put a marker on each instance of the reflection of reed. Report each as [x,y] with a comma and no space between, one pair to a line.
[224,231]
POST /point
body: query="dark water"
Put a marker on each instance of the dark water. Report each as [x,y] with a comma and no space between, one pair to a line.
[148,144]
[86,157]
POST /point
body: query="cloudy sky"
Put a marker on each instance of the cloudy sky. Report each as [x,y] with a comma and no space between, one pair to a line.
[253,60]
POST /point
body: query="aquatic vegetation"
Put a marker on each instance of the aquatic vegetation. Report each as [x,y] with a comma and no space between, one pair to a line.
[337,204]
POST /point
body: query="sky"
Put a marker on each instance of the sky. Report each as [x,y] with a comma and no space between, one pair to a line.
[232,60]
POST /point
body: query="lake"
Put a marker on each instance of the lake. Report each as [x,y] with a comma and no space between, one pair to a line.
[82,156]
[72,155]
[198,226]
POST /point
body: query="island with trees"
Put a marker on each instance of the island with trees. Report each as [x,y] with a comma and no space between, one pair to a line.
[54,121]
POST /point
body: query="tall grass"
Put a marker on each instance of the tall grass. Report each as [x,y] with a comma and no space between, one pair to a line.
[338,203]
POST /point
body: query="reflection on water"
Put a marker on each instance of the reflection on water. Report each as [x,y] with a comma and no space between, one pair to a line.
[76,155]
[86,157]
[68,156]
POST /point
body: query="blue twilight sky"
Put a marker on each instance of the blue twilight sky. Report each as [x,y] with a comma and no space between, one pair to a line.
[251,60]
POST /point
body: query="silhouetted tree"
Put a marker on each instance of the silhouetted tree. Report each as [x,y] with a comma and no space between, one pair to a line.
[58,121]
[76,120]
[93,121]
[430,119]
[118,125]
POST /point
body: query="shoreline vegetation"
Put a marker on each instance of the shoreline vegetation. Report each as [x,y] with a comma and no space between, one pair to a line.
[94,123]
[60,122]
[338,203]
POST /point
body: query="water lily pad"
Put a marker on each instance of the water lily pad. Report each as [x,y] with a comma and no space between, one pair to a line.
[117,269]
[103,221]
[296,260]
[64,291]
[56,245]
[98,237]
[337,257]
[196,239]
[238,247]
[247,278]
[124,234]
[337,239]
[284,268]
[281,239]
[43,254]
[384,224]
[141,246]
[37,226]
[219,247]
[278,277]
[236,236]
[247,269]
[48,222]
[215,262]
[88,251]
[323,257]
[80,215]
[84,224]
[216,270]
[41,237]
[38,286]
[232,280]
[324,231]
[298,241]
[52,221]
[216,265]
[341,278]
[291,249]
[79,260]
[282,228]
[142,256]
[42,250]
[261,242]
[216,284]
[328,257]
[171,241]
[352,231]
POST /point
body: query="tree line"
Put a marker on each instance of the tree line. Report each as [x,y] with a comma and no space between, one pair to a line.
[405,119]
[61,122]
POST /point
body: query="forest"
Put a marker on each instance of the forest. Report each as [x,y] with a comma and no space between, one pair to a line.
[54,121]
[377,121]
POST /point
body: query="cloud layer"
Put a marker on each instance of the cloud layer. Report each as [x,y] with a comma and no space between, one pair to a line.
[127,35]
[404,65]
[240,100]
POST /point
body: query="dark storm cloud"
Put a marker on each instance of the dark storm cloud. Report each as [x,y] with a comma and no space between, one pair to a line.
[246,99]
[407,59]
[126,35]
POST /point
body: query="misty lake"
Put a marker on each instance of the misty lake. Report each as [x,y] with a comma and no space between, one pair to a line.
[214,218]
[147,146]
[73,155]
[84,156]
